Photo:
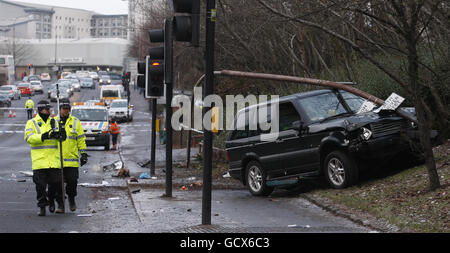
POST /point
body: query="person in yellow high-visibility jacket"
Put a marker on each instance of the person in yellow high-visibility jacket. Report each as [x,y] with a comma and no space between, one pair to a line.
[74,150]
[29,105]
[46,163]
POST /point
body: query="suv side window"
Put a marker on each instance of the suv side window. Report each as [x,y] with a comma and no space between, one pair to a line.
[288,115]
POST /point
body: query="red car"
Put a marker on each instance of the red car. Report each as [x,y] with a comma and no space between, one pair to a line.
[26,89]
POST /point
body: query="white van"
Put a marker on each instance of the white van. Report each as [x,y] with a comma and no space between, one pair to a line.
[111,92]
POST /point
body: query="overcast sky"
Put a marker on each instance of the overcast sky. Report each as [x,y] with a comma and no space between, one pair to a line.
[99,6]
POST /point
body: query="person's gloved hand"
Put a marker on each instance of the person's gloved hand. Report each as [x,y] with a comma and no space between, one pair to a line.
[83,159]
[54,135]
[45,136]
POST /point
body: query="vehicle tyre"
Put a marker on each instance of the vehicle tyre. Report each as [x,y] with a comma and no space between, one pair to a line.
[340,170]
[255,177]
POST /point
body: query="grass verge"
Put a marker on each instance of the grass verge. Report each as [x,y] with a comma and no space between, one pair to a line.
[403,199]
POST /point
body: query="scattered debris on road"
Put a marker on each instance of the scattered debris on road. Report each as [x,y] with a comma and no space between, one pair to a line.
[104,183]
[27,173]
[84,215]
[114,198]
[136,191]
[144,176]
[117,165]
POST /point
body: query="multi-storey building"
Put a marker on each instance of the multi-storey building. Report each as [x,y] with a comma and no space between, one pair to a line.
[36,21]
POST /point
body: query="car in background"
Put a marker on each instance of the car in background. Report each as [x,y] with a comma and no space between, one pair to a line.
[32,78]
[87,83]
[37,87]
[5,101]
[105,80]
[63,85]
[81,74]
[65,74]
[116,79]
[11,91]
[25,89]
[75,82]
[103,73]
[95,122]
[46,77]
[120,110]
[94,76]
[63,93]
[69,83]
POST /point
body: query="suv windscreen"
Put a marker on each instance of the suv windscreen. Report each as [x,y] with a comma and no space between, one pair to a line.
[90,114]
[355,102]
[6,88]
[320,107]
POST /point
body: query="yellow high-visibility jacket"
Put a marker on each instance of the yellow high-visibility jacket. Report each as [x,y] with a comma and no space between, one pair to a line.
[44,155]
[75,144]
[29,104]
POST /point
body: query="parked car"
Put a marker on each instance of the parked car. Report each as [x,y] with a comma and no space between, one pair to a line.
[120,110]
[87,83]
[25,89]
[320,134]
[37,87]
[46,77]
[5,101]
[105,80]
[11,90]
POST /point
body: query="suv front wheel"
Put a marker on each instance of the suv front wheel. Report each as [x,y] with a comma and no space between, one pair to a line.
[340,170]
[255,177]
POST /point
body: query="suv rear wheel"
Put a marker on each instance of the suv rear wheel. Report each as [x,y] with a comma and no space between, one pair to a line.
[255,177]
[340,170]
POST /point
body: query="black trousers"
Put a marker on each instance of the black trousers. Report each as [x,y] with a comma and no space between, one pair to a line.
[30,113]
[51,178]
[114,138]
[71,179]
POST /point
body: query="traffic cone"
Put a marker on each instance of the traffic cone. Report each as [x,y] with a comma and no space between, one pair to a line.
[53,113]
[10,114]
[14,115]
[34,114]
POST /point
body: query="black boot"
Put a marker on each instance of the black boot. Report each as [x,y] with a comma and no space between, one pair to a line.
[72,205]
[60,208]
[51,206]
[42,211]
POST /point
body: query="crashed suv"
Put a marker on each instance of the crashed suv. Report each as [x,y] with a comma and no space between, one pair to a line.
[321,133]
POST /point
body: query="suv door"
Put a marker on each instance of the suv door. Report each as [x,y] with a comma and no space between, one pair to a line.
[295,150]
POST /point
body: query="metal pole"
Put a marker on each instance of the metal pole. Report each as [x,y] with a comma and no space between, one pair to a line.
[153,144]
[208,90]
[168,54]
[61,128]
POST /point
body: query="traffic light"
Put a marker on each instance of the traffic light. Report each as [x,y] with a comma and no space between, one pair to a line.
[29,66]
[142,73]
[160,61]
[128,76]
[186,28]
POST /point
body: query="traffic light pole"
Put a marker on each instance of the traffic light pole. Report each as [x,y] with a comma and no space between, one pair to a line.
[168,54]
[153,144]
[208,90]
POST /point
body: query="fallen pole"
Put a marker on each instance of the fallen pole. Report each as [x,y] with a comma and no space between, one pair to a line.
[316,82]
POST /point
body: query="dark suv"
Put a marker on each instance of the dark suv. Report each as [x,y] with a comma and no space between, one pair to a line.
[320,133]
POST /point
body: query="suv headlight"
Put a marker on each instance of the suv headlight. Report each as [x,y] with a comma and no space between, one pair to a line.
[366,133]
